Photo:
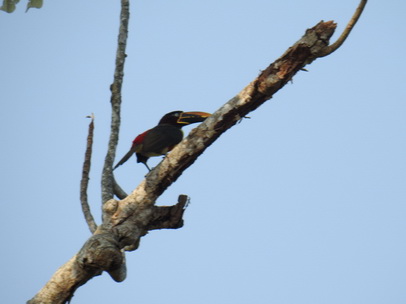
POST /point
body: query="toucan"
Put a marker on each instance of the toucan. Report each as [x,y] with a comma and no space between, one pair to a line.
[162,138]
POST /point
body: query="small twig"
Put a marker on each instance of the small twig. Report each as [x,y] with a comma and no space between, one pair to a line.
[85,178]
[332,47]
[118,191]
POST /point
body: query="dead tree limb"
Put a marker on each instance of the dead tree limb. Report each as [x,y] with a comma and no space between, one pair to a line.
[85,179]
[107,175]
[273,78]
[127,220]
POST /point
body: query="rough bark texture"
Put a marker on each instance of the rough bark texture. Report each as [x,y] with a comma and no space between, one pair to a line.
[127,220]
[85,179]
[107,183]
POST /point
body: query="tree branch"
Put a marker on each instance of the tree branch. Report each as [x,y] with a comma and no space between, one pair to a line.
[107,183]
[255,94]
[333,47]
[85,179]
[126,221]
[118,191]
[169,217]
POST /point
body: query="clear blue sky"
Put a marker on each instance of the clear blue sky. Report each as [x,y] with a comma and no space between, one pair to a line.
[303,203]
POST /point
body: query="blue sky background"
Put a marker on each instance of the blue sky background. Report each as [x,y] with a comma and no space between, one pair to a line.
[302,203]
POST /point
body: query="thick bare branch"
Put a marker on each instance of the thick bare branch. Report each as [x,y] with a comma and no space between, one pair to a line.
[107,176]
[85,179]
[333,47]
[126,221]
[131,218]
[64,282]
[256,93]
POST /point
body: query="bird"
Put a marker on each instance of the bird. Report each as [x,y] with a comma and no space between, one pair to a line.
[162,138]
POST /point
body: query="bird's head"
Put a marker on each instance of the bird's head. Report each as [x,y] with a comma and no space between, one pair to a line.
[180,118]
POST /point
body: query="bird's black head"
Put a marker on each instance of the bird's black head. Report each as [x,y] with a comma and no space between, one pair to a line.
[170,118]
[180,118]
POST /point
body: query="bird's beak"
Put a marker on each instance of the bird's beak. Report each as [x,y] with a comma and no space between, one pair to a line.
[187,118]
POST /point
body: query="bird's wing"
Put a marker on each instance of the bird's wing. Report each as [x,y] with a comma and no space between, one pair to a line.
[160,140]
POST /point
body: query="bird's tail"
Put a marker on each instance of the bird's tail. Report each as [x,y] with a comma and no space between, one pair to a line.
[124,159]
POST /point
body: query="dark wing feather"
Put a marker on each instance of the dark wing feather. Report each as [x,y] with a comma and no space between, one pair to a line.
[160,140]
